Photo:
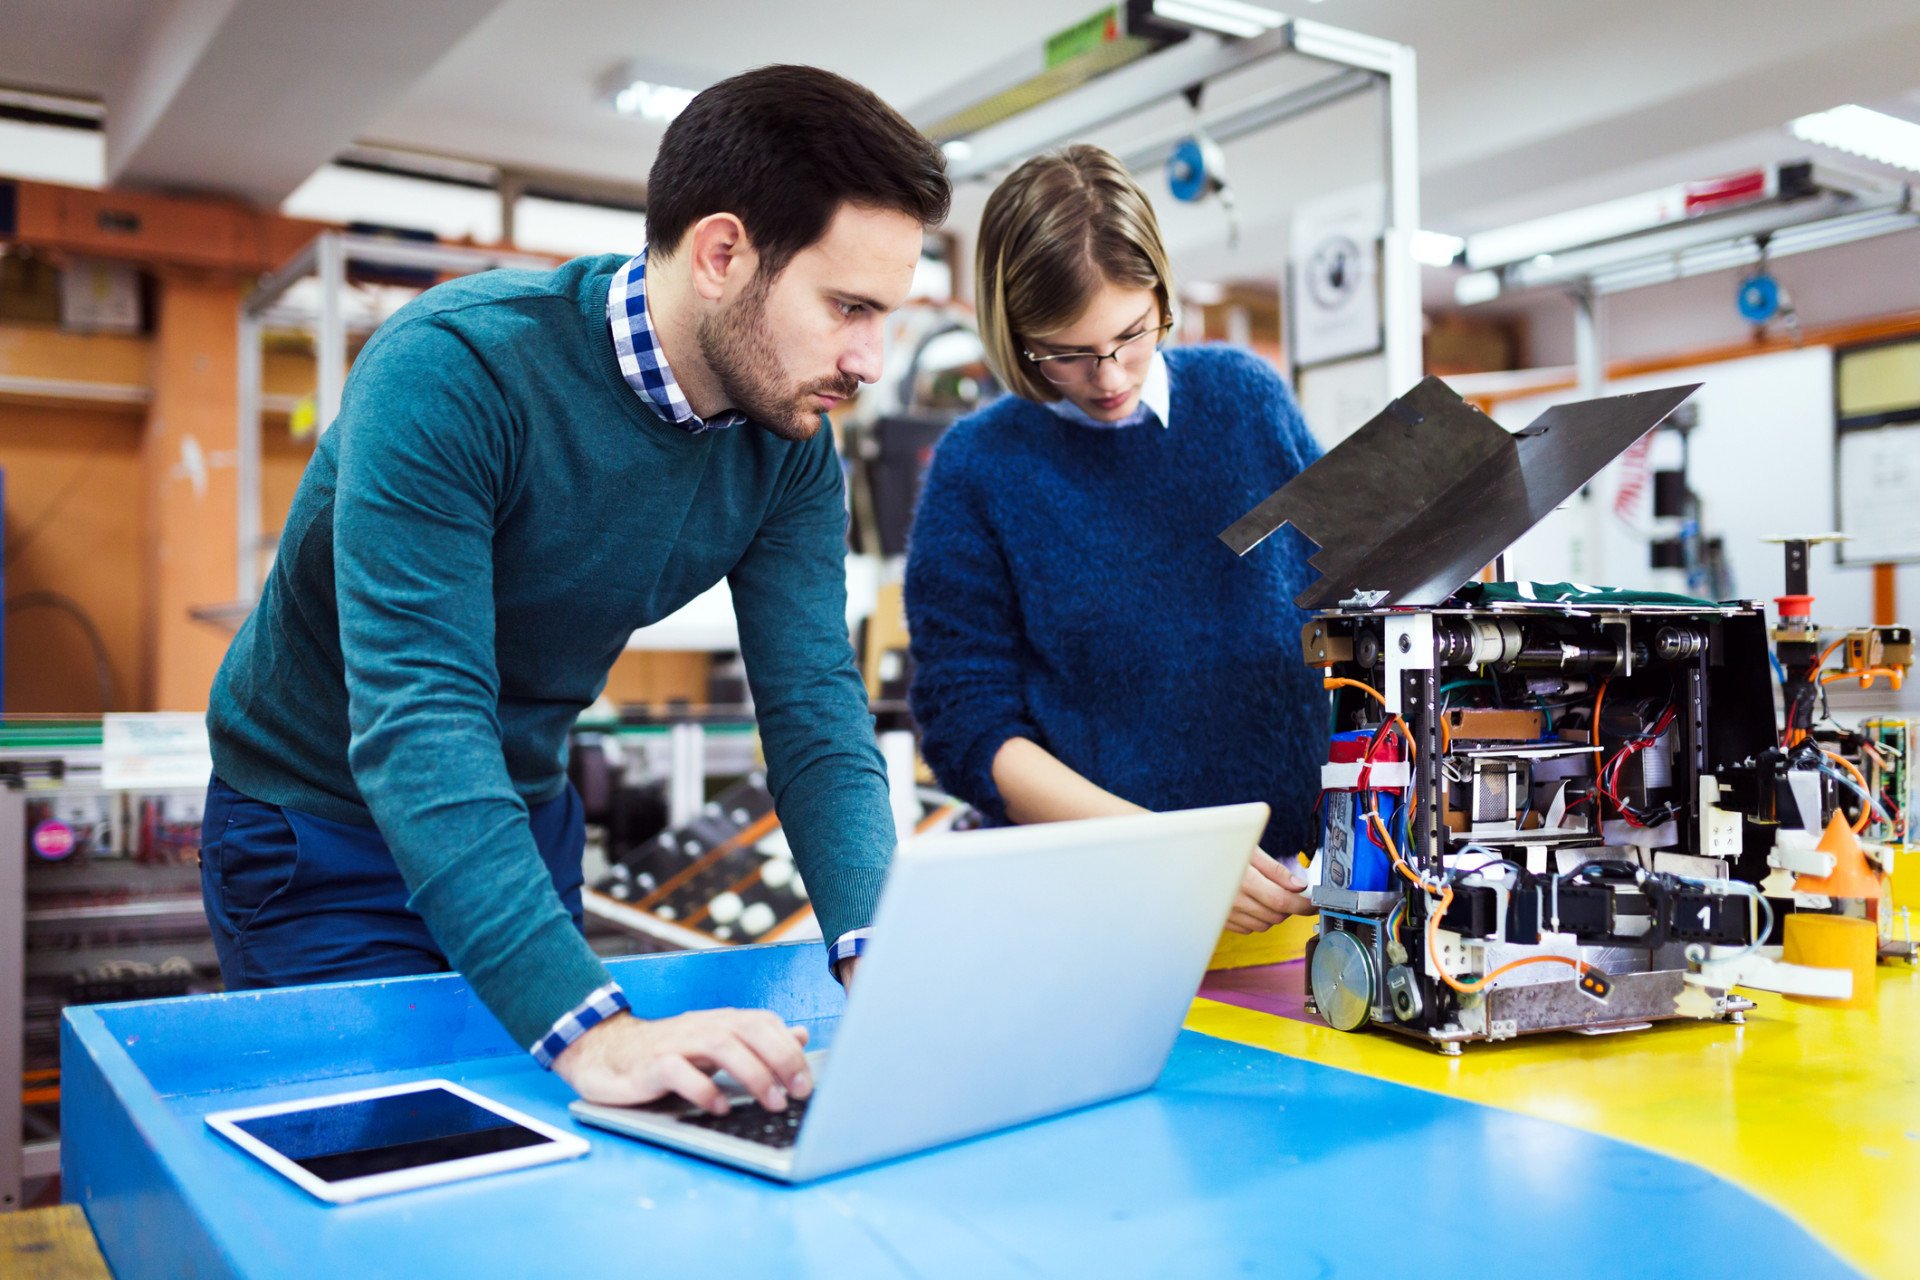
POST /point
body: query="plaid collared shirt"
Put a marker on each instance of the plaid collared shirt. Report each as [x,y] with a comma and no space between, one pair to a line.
[642,363]
[606,1001]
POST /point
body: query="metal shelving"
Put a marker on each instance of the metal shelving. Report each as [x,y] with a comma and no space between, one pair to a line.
[117,915]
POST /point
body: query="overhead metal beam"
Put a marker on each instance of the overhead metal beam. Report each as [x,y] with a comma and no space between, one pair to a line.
[1261,112]
[1113,96]
[1875,218]
[1836,214]
[1364,62]
[330,256]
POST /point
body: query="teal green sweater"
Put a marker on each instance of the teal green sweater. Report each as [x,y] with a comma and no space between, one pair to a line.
[491,515]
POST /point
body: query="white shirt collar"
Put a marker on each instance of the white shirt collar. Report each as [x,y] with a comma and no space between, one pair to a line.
[1156,402]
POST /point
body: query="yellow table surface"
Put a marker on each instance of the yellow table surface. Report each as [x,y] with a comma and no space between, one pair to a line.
[1814,1110]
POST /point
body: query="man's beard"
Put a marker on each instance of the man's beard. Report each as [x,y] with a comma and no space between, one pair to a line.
[740,352]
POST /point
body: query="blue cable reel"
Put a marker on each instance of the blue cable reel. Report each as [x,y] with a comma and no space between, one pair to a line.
[1760,298]
[1196,170]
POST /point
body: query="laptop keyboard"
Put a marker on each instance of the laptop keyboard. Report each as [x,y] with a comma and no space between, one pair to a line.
[754,1123]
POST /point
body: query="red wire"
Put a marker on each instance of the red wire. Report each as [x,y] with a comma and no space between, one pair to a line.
[1608,783]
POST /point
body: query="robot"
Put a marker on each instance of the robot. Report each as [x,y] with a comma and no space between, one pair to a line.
[1545,806]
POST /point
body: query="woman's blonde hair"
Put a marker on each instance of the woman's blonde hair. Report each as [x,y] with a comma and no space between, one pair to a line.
[1061,226]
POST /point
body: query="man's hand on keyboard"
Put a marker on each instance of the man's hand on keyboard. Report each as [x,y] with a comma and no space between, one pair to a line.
[627,1060]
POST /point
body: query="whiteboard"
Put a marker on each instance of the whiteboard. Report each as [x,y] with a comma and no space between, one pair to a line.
[1762,462]
[1878,493]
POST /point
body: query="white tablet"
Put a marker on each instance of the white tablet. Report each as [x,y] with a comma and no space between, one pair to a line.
[348,1146]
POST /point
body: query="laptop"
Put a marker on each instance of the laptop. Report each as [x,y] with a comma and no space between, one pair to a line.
[1013,974]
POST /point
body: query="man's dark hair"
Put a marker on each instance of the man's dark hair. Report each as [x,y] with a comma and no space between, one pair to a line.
[782,148]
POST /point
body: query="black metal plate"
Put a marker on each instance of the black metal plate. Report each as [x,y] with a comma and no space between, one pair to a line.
[1414,503]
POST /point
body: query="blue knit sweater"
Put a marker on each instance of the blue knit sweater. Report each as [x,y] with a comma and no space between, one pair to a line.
[1068,585]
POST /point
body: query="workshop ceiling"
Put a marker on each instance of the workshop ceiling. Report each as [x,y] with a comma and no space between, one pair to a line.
[1525,107]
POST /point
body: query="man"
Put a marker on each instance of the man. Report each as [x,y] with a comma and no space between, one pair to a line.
[526,467]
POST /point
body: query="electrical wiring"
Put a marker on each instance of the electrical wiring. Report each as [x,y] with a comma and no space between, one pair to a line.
[1493,859]
[102,662]
[1333,704]
[1862,673]
[1444,892]
[1379,736]
[1342,682]
[1858,784]
[1607,781]
[1386,842]
[1598,700]
[1480,984]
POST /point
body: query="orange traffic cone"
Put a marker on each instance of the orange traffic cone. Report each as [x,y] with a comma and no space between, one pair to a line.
[1838,941]
[1851,877]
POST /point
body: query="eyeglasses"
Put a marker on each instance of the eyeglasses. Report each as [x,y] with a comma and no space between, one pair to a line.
[1131,355]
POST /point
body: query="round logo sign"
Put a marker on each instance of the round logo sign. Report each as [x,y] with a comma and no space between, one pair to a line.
[53,840]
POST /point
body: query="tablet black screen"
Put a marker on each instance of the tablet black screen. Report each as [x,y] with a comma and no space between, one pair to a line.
[381,1135]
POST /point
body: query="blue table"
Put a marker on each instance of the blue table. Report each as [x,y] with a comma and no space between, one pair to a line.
[1240,1162]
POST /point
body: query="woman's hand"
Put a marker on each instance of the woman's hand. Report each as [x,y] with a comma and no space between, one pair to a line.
[1269,893]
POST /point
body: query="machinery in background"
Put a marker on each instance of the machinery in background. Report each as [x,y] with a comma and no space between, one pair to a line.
[1545,806]
[684,849]
[1821,766]
[1887,746]
[108,896]
[724,878]
[725,875]
[1680,546]
[936,373]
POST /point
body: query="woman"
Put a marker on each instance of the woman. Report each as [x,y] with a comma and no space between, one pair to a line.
[1083,643]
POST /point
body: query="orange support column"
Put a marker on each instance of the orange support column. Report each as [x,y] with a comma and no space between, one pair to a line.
[1885,605]
[189,458]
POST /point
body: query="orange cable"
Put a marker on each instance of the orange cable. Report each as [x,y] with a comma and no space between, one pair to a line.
[1482,983]
[1866,804]
[1433,925]
[1865,675]
[1337,682]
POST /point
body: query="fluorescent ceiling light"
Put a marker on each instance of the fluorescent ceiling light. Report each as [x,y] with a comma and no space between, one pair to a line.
[572,228]
[1228,17]
[452,212]
[956,150]
[1863,132]
[658,102]
[1476,287]
[1635,215]
[1436,248]
[53,153]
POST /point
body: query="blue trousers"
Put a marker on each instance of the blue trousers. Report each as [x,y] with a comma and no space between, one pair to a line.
[293,898]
